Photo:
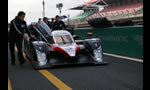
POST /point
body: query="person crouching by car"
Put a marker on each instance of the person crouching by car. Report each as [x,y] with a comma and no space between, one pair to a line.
[16,34]
[58,24]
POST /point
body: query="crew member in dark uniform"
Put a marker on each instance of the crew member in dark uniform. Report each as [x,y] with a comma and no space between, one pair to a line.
[45,19]
[16,34]
[58,24]
[51,23]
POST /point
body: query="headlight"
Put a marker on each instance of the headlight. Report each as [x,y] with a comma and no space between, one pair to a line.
[26,36]
[98,54]
[41,58]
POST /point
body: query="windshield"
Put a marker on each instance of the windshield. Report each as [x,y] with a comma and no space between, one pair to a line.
[64,39]
[44,29]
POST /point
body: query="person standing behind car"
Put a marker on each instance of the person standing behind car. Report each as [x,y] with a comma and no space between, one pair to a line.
[58,24]
[45,19]
[16,34]
[51,23]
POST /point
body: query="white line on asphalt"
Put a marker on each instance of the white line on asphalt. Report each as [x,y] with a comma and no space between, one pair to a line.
[124,57]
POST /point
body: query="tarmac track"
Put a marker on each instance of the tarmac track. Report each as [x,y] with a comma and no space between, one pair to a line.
[119,74]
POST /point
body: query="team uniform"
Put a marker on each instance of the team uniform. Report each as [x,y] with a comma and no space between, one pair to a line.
[16,33]
[59,25]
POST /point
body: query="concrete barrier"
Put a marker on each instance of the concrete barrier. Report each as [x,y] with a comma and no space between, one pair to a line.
[125,41]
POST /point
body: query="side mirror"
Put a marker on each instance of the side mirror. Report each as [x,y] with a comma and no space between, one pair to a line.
[89,34]
[75,37]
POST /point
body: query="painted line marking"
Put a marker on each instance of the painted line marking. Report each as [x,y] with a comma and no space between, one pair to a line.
[58,83]
[52,78]
[9,85]
[124,57]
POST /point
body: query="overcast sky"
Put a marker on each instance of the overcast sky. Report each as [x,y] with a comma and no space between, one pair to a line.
[33,8]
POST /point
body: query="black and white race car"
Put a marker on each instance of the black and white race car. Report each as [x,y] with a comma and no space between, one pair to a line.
[59,47]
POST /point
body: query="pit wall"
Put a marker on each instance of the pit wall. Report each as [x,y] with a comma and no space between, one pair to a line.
[124,41]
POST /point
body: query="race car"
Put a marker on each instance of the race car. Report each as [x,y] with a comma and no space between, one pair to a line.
[50,48]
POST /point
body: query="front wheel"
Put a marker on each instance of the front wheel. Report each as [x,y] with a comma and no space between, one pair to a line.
[98,53]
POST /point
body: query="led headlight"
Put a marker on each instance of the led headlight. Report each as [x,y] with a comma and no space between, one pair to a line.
[27,36]
[41,58]
[98,54]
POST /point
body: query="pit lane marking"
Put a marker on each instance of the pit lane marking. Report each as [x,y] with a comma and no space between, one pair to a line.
[9,85]
[58,83]
[52,78]
[124,57]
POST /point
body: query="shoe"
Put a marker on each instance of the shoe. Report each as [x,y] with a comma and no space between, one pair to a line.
[13,63]
[22,62]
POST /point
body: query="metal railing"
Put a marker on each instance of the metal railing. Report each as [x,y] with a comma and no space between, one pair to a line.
[121,14]
[124,14]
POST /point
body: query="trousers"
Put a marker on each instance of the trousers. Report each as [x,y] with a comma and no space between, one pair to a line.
[18,43]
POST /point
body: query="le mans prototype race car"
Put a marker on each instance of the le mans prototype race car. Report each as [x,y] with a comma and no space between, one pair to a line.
[59,47]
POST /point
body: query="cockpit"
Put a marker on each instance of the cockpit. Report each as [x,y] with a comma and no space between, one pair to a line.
[43,33]
[62,37]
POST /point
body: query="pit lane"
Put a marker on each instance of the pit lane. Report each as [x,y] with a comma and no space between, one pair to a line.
[120,74]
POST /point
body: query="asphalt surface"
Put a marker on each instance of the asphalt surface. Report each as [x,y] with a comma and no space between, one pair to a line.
[119,74]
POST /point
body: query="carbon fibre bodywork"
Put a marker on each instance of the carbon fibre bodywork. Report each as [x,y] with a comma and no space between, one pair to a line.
[50,48]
